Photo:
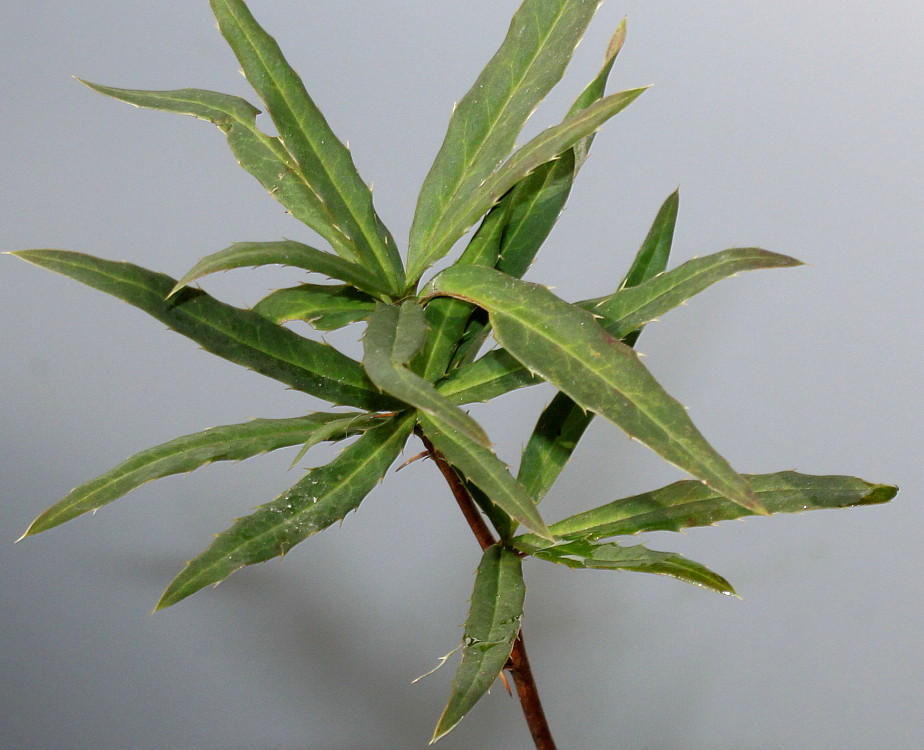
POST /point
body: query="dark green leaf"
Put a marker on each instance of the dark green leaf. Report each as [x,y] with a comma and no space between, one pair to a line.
[638,558]
[490,631]
[285,253]
[322,498]
[492,375]
[483,468]
[485,123]
[566,346]
[227,443]
[241,336]
[390,340]
[324,162]
[651,258]
[461,214]
[326,308]
[686,504]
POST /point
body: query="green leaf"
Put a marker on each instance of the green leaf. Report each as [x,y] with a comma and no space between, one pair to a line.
[324,162]
[325,307]
[227,443]
[263,156]
[322,498]
[392,337]
[565,345]
[285,253]
[484,125]
[629,309]
[549,144]
[490,631]
[482,467]
[492,375]
[240,336]
[638,558]
[651,258]
[685,504]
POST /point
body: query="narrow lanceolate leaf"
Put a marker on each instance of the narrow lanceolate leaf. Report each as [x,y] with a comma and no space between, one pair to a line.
[264,156]
[651,258]
[546,146]
[685,504]
[390,340]
[325,307]
[484,125]
[631,308]
[492,375]
[227,443]
[240,336]
[323,161]
[491,628]
[638,558]
[566,346]
[284,253]
[322,498]
[482,467]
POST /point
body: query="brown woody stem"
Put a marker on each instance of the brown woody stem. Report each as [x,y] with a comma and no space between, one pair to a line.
[518,663]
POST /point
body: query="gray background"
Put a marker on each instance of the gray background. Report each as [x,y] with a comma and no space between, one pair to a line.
[790,125]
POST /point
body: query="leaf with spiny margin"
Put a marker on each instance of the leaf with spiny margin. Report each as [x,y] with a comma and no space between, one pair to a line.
[686,504]
[566,346]
[490,376]
[638,558]
[546,146]
[490,631]
[392,337]
[233,442]
[324,161]
[321,499]
[325,307]
[485,123]
[482,467]
[240,336]
[263,156]
[284,253]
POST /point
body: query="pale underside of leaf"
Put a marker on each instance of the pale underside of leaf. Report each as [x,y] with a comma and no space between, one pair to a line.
[226,443]
[484,125]
[322,498]
[490,631]
[240,336]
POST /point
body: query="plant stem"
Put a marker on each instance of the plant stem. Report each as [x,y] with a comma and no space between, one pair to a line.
[518,663]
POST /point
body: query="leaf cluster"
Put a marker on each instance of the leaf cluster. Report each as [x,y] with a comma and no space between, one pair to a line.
[424,344]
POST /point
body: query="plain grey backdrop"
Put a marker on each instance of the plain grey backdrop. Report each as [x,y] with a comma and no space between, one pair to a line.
[795,126]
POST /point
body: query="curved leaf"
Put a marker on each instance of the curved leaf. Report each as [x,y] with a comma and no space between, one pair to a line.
[637,558]
[392,338]
[322,498]
[240,336]
[461,214]
[686,504]
[566,346]
[490,631]
[323,161]
[233,442]
[284,253]
[325,307]
[484,469]
[484,125]
[492,375]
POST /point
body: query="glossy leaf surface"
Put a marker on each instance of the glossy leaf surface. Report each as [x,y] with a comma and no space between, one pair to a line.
[226,443]
[636,558]
[482,467]
[284,253]
[240,336]
[491,628]
[324,162]
[567,347]
[322,498]
[325,307]
[391,339]
[485,123]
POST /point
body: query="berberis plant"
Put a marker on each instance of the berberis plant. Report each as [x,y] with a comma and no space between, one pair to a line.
[424,344]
